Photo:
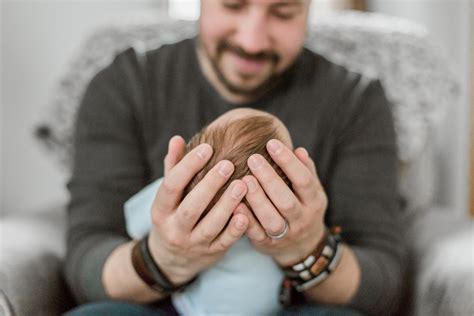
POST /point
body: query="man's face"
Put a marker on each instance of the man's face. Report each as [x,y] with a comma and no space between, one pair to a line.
[250,42]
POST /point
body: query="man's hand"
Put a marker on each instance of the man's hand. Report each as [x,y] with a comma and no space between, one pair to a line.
[272,201]
[180,244]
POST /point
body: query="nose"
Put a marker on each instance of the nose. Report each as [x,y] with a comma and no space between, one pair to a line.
[253,32]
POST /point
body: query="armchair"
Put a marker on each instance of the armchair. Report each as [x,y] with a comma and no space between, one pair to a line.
[417,81]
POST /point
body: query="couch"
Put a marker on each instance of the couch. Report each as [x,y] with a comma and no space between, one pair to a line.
[418,82]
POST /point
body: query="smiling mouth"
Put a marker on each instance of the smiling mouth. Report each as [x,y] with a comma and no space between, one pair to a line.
[247,65]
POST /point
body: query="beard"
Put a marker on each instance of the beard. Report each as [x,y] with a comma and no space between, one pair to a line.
[246,91]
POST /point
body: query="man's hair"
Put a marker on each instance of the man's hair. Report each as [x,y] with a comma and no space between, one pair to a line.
[236,141]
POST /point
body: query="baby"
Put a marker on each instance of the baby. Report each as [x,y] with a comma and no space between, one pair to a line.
[244,281]
[235,136]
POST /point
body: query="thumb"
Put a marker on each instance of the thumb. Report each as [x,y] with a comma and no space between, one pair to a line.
[176,147]
[304,157]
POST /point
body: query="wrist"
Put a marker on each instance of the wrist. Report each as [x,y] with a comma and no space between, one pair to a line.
[313,269]
[303,252]
[314,248]
[120,279]
[166,263]
[150,272]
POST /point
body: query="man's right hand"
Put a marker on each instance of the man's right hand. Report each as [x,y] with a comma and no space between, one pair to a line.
[180,245]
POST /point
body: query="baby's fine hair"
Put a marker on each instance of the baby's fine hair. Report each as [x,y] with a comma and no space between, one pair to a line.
[236,141]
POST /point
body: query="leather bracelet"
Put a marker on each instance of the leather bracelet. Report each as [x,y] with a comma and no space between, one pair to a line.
[140,267]
[148,270]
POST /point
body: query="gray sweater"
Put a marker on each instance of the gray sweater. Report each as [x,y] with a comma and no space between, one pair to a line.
[127,116]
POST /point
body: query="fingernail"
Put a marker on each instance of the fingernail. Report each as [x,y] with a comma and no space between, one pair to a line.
[204,152]
[274,146]
[305,151]
[225,168]
[250,184]
[255,162]
[237,191]
[240,223]
[172,139]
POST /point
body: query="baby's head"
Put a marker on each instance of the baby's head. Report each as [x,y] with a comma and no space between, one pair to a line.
[235,136]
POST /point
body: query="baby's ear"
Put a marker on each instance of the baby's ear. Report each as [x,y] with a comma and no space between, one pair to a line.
[176,148]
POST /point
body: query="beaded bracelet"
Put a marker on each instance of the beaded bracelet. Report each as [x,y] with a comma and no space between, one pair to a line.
[314,269]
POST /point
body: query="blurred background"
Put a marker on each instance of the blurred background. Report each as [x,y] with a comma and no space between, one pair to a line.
[39,39]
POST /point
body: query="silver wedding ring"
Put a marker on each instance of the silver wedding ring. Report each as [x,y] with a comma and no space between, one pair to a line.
[280,235]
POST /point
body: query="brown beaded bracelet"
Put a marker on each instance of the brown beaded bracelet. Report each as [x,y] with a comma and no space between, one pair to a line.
[314,268]
[292,270]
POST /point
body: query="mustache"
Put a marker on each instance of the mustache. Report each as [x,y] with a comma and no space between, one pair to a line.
[224,45]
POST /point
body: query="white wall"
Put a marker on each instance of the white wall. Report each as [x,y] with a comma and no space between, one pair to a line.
[449,24]
[1,114]
[38,38]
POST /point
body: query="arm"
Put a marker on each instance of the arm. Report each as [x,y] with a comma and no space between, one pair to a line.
[341,285]
[109,167]
[121,281]
[119,277]
[363,199]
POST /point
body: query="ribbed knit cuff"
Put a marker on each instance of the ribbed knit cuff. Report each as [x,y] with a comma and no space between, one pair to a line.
[370,290]
[90,276]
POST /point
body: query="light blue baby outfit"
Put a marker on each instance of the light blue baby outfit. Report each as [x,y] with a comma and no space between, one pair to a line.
[243,282]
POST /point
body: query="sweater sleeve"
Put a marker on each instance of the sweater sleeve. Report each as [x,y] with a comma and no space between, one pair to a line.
[108,167]
[364,199]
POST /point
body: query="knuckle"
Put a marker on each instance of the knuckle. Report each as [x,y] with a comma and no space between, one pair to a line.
[234,234]
[211,180]
[302,228]
[206,235]
[186,213]
[266,177]
[220,247]
[174,240]
[260,236]
[285,158]
[156,217]
[305,183]
[287,205]
[321,201]
[276,227]
[169,187]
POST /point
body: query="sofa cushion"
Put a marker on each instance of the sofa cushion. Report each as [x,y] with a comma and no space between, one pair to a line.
[33,248]
[441,263]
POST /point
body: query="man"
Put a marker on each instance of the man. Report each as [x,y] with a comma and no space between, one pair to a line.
[244,281]
[248,53]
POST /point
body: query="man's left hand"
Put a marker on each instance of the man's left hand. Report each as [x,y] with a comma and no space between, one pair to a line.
[272,201]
